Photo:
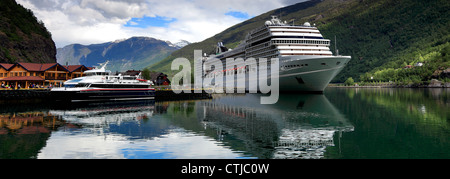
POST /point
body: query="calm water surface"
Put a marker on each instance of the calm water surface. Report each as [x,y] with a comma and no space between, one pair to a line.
[342,123]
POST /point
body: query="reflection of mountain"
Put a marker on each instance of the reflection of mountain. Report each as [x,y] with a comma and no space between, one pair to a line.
[298,126]
[401,123]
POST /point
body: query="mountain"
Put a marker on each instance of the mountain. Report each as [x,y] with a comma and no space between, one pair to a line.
[179,44]
[127,54]
[23,38]
[377,34]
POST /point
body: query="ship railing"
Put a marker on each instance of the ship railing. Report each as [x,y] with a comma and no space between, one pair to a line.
[259,38]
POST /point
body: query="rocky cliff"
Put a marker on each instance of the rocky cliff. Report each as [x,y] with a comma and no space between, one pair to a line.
[23,38]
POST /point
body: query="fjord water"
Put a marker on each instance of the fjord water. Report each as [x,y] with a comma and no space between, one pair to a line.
[342,123]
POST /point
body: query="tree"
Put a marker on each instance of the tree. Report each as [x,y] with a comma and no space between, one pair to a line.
[146,74]
[349,82]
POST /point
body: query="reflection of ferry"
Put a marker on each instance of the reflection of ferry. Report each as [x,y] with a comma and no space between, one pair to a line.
[106,112]
[99,84]
[300,126]
[305,60]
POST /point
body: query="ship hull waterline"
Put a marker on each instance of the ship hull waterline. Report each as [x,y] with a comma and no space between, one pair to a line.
[102,95]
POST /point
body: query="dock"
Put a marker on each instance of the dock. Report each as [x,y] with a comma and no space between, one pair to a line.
[28,94]
[169,95]
[37,95]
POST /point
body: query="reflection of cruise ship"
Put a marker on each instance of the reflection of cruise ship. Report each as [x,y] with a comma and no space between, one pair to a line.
[298,126]
[305,60]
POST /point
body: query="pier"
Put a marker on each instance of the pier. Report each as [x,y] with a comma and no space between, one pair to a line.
[165,93]
[31,95]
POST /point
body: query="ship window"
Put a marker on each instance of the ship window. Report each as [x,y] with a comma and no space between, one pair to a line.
[323,64]
[338,63]
[82,85]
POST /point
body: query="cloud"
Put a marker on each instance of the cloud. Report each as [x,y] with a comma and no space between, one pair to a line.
[98,21]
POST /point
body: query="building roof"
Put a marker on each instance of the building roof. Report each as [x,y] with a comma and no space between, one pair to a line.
[72,68]
[38,66]
[31,66]
[6,65]
[23,78]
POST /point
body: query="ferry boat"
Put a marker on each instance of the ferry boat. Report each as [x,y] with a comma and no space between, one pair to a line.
[100,85]
[306,63]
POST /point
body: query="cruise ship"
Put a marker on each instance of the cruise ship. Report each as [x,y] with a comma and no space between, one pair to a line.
[306,63]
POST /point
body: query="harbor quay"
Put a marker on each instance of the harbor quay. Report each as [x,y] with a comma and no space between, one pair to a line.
[29,95]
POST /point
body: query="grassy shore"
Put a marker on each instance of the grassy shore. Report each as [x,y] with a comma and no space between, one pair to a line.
[432,84]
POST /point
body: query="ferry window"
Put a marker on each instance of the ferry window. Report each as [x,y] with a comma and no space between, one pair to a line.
[82,85]
[324,64]
[338,63]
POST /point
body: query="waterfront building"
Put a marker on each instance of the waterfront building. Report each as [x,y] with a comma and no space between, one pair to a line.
[36,75]
[76,71]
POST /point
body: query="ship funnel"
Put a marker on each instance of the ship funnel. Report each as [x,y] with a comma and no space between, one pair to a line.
[220,48]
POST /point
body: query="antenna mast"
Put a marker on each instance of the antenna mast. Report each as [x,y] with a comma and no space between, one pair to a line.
[335,46]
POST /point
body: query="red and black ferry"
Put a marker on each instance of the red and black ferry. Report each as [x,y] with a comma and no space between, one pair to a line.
[100,85]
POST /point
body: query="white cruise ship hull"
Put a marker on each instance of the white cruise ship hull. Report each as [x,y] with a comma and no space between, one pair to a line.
[315,77]
[299,74]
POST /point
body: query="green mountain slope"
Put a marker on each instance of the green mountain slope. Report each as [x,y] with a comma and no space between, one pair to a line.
[23,38]
[377,34]
[387,33]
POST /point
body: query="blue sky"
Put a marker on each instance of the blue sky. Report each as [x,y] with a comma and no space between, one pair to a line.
[146,21]
[239,15]
[159,21]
